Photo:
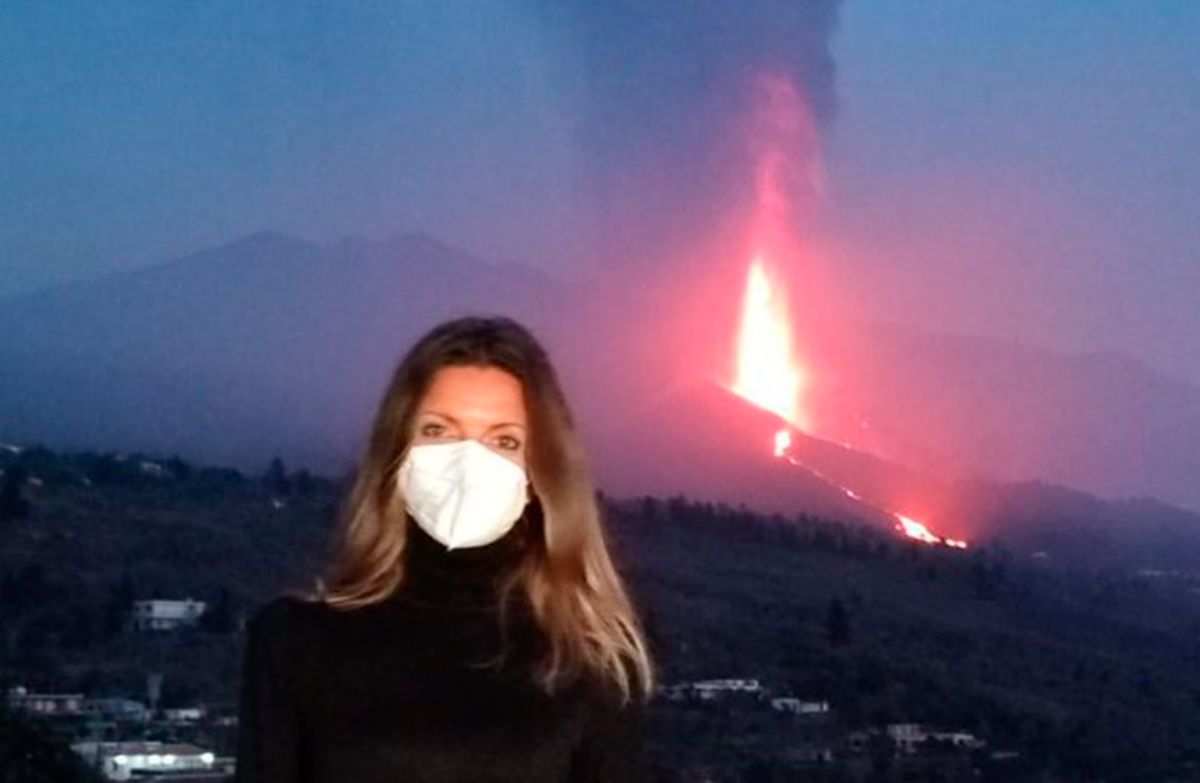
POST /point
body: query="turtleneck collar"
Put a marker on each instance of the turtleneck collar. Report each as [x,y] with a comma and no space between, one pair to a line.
[468,578]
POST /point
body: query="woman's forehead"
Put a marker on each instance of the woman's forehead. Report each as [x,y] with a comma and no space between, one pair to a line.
[475,393]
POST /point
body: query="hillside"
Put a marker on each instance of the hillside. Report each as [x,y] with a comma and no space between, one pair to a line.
[1073,671]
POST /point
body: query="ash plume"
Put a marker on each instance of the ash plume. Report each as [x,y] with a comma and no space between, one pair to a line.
[666,83]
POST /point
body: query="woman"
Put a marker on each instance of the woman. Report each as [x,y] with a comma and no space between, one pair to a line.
[473,627]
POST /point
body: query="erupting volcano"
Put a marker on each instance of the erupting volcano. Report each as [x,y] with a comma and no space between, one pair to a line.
[769,372]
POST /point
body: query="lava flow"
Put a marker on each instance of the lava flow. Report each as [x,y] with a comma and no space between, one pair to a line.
[906,525]
[769,373]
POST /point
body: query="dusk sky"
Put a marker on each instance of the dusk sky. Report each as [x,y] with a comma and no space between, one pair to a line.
[1023,169]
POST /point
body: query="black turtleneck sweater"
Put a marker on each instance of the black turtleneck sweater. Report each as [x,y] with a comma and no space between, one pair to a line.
[423,687]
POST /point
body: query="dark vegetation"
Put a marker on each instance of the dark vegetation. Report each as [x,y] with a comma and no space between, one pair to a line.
[1078,676]
[33,752]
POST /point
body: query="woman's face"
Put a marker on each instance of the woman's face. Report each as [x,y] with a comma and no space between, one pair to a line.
[485,404]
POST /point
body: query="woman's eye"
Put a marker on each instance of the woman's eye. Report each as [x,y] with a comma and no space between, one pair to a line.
[432,430]
[508,443]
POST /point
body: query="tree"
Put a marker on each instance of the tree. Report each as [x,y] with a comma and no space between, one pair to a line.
[32,754]
[880,750]
[276,479]
[837,624]
[106,469]
[12,502]
[757,771]
[303,484]
[982,587]
[219,618]
[118,606]
[78,626]
[871,678]
[179,468]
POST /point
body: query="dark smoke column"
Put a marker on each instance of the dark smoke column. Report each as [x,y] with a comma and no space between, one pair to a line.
[667,83]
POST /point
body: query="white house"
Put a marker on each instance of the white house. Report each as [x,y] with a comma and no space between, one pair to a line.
[156,469]
[907,736]
[791,704]
[711,690]
[184,714]
[714,687]
[164,615]
[959,739]
[48,704]
[160,760]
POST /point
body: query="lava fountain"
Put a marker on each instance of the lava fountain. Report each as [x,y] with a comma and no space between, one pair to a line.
[768,374]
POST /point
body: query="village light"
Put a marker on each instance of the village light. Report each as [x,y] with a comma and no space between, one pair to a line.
[207,758]
[122,760]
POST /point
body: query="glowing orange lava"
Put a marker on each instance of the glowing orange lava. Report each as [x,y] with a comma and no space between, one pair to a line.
[915,530]
[783,442]
[910,527]
[768,374]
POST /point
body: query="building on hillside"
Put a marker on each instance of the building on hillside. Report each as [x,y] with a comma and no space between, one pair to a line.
[912,738]
[184,715]
[794,706]
[907,737]
[151,468]
[166,615]
[157,760]
[957,739]
[711,690]
[46,704]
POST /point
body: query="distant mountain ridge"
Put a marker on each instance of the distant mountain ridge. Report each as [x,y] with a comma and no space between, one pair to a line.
[274,346]
[266,345]
[978,406]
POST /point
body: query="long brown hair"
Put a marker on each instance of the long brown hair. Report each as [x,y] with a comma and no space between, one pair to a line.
[576,595]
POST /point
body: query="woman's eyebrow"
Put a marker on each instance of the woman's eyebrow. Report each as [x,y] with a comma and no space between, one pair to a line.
[502,425]
[452,420]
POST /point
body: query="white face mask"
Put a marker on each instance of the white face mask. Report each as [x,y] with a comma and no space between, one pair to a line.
[462,493]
